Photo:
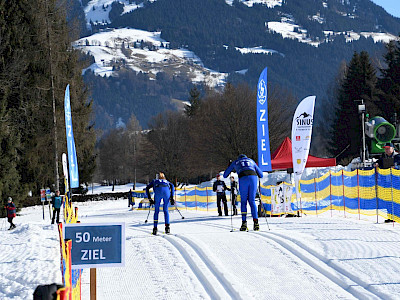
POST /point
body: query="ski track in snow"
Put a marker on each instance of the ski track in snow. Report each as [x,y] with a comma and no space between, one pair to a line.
[299,258]
[214,270]
[327,267]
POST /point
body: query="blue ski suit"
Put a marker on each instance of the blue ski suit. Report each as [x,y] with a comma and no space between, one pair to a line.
[247,172]
[163,189]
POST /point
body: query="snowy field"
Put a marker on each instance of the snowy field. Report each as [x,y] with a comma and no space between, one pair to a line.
[310,257]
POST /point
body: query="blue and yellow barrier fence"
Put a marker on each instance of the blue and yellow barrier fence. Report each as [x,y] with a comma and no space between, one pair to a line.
[362,192]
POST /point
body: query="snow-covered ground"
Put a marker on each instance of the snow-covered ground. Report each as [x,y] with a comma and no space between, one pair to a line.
[312,257]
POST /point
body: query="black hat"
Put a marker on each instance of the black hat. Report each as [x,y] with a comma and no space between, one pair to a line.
[389,145]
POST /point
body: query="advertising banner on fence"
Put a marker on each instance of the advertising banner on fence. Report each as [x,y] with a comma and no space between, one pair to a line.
[281,199]
[73,163]
[301,136]
[264,153]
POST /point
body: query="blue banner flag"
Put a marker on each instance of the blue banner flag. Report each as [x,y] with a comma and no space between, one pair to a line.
[72,161]
[264,153]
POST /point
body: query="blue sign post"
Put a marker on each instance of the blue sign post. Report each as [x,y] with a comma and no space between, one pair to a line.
[264,154]
[96,245]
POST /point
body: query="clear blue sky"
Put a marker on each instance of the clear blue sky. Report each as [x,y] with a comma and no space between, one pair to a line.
[391,6]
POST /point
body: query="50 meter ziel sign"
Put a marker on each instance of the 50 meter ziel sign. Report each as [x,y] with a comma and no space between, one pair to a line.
[96,245]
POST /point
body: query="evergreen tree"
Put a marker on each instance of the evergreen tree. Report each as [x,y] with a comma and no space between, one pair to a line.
[15,19]
[36,64]
[389,83]
[358,84]
[195,101]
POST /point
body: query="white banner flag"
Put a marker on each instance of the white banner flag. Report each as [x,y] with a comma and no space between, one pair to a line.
[301,137]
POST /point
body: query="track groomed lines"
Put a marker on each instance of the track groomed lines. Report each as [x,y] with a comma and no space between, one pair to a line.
[333,271]
[205,282]
[319,263]
[233,294]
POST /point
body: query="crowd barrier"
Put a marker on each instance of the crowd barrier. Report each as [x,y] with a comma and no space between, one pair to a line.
[367,192]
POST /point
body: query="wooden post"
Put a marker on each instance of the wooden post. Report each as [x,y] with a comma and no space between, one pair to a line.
[92,283]
[315,197]
[207,197]
[344,200]
[330,189]
[358,192]
[195,197]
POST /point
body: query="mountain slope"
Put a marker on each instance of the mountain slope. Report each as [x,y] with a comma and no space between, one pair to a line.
[302,42]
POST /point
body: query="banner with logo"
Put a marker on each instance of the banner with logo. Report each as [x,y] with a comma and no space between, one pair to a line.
[281,199]
[264,154]
[73,163]
[301,137]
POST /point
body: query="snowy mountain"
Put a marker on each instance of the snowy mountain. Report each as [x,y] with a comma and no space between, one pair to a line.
[146,52]
[211,42]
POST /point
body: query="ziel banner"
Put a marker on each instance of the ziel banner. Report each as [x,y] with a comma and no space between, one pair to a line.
[264,154]
[301,136]
[73,163]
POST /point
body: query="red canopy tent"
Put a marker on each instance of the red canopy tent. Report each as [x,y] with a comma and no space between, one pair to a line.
[282,158]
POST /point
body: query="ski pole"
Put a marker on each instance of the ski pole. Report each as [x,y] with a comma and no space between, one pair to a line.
[259,191]
[148,214]
[231,206]
[176,207]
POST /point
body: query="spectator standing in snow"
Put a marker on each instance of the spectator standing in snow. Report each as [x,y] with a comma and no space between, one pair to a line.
[247,171]
[234,189]
[389,153]
[163,190]
[219,187]
[56,201]
[11,212]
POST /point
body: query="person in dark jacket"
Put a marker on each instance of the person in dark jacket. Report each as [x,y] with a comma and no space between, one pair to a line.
[56,201]
[163,190]
[247,171]
[220,187]
[11,212]
[388,154]
[234,189]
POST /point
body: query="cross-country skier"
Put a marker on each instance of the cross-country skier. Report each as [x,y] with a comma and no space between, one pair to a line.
[247,171]
[11,210]
[163,189]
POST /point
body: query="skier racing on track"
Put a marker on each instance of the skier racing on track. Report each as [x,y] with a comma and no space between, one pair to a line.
[163,189]
[247,171]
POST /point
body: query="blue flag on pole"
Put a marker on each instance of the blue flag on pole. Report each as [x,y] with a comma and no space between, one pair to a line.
[72,161]
[264,153]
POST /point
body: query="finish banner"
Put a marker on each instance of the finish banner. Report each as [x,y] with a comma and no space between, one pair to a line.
[72,161]
[264,154]
[301,136]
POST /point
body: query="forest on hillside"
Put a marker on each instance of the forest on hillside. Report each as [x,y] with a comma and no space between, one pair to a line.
[299,68]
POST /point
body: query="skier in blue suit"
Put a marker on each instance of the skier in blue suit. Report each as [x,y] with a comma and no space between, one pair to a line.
[163,189]
[247,172]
